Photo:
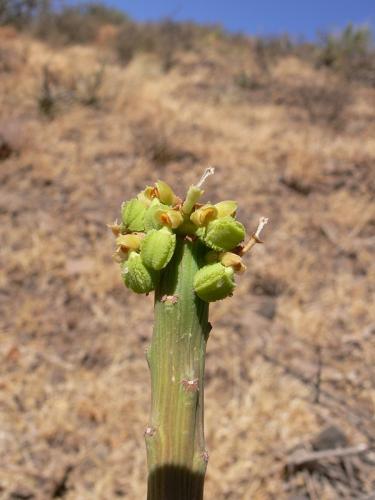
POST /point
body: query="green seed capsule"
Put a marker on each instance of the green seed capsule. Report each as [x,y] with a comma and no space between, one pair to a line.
[222,234]
[152,221]
[136,276]
[157,248]
[214,282]
[132,214]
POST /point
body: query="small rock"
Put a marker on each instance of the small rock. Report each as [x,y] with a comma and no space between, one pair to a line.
[330,437]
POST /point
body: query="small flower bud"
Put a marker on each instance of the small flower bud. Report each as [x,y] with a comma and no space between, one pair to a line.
[193,195]
[214,282]
[195,192]
[225,208]
[203,215]
[133,213]
[136,276]
[157,248]
[165,193]
[222,234]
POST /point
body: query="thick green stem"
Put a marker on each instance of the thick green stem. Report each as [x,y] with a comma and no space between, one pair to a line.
[176,452]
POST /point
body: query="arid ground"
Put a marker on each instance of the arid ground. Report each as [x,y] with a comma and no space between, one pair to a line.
[290,391]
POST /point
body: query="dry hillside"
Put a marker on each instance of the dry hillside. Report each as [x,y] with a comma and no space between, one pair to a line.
[290,368]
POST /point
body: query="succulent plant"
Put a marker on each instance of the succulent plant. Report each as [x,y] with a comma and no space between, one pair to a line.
[189,254]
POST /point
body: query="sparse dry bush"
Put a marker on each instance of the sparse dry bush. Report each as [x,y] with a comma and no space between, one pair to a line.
[276,46]
[322,104]
[71,26]
[350,52]
[325,104]
[171,37]
[128,41]
[86,87]
[58,92]
[47,97]
[75,24]
[267,50]
[17,12]
[246,81]
[265,54]
[262,55]
[163,39]
[168,39]
[154,144]
[103,14]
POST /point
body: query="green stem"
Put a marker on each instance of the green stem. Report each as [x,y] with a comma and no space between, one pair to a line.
[176,452]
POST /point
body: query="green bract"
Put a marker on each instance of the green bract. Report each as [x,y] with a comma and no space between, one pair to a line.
[132,214]
[222,234]
[157,248]
[137,276]
[214,282]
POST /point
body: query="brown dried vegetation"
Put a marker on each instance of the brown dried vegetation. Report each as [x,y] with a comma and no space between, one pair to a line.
[291,354]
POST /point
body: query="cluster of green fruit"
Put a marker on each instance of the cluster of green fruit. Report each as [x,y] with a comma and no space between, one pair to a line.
[150,224]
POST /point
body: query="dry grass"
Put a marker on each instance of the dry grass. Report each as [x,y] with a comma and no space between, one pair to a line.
[74,385]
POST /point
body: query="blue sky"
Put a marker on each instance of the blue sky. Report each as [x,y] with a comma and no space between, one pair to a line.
[262,17]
